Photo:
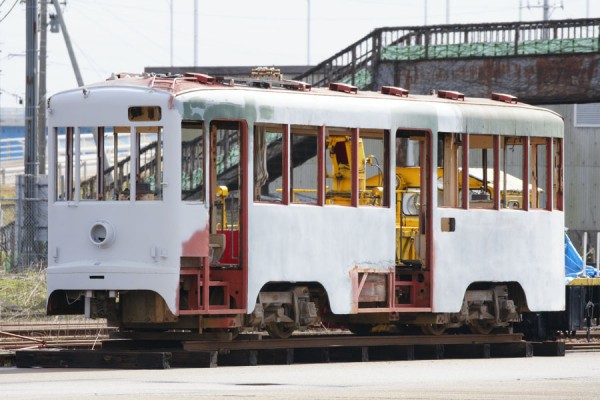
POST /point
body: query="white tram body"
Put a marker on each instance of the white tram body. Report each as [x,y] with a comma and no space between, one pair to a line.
[144,254]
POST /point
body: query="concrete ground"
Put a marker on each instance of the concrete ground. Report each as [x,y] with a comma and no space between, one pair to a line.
[575,376]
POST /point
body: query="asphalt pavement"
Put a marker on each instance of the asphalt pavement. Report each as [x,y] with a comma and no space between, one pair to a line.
[575,376]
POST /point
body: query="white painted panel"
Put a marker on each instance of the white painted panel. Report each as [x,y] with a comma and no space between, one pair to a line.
[149,235]
[322,244]
[499,246]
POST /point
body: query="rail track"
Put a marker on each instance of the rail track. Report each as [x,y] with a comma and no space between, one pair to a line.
[21,335]
[95,345]
[15,335]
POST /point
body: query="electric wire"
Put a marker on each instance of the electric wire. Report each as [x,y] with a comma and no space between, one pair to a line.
[9,11]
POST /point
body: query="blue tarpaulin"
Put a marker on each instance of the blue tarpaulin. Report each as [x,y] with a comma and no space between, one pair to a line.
[574,263]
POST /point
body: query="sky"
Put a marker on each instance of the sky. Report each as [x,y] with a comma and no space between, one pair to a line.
[126,36]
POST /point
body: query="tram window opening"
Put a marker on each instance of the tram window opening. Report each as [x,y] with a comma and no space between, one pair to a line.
[88,163]
[538,179]
[192,161]
[374,182]
[149,168]
[304,170]
[449,177]
[338,166]
[481,171]
[225,170]
[512,176]
[117,145]
[64,140]
[268,163]
[413,183]
[557,184]
[144,113]
[410,191]
[106,161]
[407,150]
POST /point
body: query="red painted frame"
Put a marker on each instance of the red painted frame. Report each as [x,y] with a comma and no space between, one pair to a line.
[230,280]
[465,171]
[426,162]
[526,150]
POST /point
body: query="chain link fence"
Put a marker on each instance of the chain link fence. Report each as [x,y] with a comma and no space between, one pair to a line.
[24,224]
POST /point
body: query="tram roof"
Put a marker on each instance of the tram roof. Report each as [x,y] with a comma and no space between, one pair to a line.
[181,84]
[191,85]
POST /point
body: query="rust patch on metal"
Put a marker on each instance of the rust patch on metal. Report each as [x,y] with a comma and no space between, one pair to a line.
[543,79]
[196,245]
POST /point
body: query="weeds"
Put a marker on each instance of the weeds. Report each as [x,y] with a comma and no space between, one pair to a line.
[23,295]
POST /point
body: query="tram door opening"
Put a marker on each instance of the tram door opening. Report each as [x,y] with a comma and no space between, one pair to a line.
[225,193]
[413,198]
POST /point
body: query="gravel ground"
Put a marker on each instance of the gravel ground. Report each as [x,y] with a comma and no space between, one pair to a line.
[575,376]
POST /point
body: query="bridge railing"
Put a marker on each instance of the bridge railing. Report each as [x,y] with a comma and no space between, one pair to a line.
[356,63]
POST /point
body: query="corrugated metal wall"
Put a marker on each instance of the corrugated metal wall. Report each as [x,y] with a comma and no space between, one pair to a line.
[582,175]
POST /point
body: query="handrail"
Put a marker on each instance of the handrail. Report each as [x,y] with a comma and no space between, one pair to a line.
[356,63]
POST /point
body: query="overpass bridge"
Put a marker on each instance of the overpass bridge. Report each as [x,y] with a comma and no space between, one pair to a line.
[544,62]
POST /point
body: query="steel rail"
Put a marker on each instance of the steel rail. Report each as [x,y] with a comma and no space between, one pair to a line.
[350,341]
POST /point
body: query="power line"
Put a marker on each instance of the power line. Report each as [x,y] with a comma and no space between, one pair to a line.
[9,11]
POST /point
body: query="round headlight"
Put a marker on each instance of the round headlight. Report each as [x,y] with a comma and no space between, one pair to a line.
[102,233]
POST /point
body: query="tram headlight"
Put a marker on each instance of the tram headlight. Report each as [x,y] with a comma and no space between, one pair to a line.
[102,233]
[411,203]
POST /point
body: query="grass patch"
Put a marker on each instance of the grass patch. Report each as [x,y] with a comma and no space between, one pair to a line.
[8,191]
[23,295]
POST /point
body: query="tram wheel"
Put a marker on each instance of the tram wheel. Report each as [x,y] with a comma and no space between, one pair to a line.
[481,327]
[280,330]
[433,329]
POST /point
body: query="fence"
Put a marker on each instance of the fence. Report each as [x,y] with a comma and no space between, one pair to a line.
[24,225]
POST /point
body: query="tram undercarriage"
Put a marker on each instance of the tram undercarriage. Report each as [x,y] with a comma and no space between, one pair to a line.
[297,308]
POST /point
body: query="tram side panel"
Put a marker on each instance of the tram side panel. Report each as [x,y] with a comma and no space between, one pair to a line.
[499,246]
[304,243]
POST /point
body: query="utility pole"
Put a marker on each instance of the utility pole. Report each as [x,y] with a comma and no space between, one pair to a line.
[195,33]
[42,89]
[547,8]
[30,156]
[63,26]
[587,9]
[307,32]
[171,34]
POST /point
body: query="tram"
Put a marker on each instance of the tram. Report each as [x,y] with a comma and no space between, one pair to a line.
[201,203]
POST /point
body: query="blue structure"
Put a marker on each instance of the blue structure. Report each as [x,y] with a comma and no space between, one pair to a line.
[12,134]
[574,263]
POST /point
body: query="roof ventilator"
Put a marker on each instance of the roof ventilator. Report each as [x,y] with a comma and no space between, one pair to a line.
[296,85]
[202,78]
[224,80]
[342,87]
[259,84]
[450,94]
[507,98]
[394,91]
